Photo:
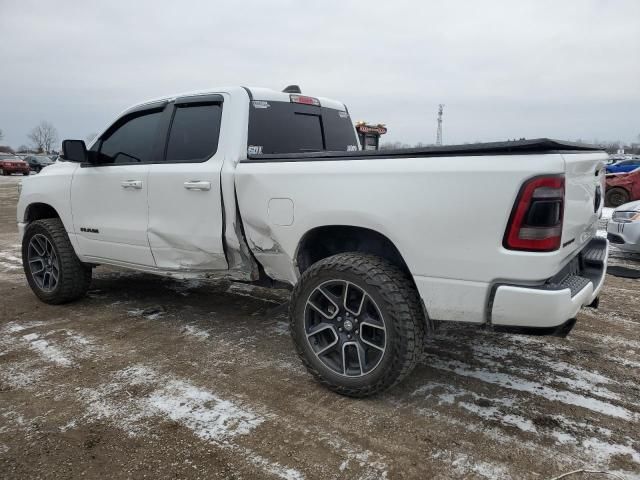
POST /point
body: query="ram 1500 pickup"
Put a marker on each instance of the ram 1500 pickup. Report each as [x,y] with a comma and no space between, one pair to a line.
[271,187]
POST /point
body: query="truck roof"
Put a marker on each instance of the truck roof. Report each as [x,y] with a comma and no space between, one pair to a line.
[254,93]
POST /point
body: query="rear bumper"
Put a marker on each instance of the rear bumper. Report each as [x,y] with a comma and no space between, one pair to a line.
[559,299]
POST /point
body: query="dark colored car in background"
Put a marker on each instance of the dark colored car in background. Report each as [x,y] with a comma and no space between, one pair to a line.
[624,166]
[12,164]
[38,162]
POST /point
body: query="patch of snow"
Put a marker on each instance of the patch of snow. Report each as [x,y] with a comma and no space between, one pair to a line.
[575,377]
[46,350]
[274,468]
[22,374]
[375,467]
[280,328]
[193,331]
[512,382]
[603,451]
[463,465]
[495,411]
[68,426]
[15,327]
[3,448]
[208,416]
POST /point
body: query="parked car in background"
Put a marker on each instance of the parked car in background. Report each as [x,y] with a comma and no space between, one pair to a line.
[38,162]
[624,166]
[12,164]
[623,230]
[622,188]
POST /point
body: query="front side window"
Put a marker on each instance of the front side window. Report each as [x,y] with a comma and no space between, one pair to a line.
[131,139]
[194,133]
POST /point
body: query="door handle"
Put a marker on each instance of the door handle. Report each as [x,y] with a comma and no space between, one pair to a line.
[197,185]
[132,184]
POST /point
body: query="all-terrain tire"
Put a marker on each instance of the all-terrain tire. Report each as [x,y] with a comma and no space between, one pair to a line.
[616,196]
[397,299]
[74,277]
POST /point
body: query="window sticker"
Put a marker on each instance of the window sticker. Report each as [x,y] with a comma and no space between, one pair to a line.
[352,148]
[260,104]
[343,114]
[254,149]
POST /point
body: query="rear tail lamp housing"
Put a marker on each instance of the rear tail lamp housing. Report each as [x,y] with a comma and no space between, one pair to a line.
[536,220]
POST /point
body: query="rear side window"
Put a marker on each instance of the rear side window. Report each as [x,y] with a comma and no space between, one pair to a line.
[131,139]
[194,133]
[284,127]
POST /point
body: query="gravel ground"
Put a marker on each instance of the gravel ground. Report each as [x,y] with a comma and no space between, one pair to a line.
[151,377]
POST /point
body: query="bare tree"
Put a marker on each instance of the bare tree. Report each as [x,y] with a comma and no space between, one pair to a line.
[44,136]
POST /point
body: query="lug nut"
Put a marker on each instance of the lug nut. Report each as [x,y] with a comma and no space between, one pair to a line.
[356,332]
[339,319]
[347,314]
[355,320]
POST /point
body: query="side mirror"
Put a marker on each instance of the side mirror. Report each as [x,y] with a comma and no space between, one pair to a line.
[74,151]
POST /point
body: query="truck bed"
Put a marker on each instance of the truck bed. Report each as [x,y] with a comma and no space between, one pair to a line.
[519,147]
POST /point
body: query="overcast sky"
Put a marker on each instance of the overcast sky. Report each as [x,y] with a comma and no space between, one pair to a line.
[504,69]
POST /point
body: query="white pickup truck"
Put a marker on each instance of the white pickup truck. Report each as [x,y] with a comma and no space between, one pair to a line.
[271,187]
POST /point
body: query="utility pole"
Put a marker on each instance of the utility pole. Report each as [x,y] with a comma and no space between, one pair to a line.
[439,134]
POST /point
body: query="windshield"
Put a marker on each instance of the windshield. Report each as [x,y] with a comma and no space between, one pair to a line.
[285,127]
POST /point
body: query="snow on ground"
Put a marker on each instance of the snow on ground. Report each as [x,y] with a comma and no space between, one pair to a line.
[208,416]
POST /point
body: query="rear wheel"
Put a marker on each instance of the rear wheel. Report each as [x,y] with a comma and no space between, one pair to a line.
[616,196]
[54,272]
[356,323]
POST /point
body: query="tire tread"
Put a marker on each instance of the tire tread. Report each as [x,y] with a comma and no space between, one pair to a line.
[75,277]
[402,302]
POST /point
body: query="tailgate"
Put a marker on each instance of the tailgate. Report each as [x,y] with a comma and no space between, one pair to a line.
[584,197]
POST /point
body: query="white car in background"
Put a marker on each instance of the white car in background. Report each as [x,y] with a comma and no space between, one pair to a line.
[623,230]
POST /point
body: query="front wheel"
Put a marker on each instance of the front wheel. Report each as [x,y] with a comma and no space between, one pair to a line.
[54,272]
[357,324]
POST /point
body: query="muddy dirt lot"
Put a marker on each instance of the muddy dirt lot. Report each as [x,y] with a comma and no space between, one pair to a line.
[155,378]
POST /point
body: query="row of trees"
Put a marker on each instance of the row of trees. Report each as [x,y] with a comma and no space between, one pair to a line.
[43,138]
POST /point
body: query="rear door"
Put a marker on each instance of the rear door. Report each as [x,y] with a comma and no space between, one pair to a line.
[185,229]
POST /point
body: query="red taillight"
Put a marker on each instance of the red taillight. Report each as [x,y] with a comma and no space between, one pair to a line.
[536,219]
[304,100]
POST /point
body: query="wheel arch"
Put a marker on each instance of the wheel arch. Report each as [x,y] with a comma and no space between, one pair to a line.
[327,240]
[38,211]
